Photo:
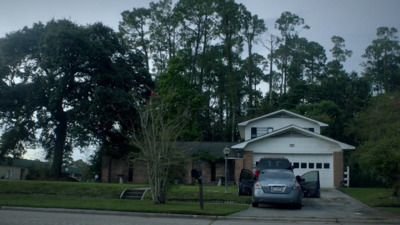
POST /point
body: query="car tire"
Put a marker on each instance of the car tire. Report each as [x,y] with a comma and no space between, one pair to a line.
[298,206]
[254,204]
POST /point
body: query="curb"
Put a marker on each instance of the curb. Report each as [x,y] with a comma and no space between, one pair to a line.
[212,218]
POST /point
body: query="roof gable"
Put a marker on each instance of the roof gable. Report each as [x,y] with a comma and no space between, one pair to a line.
[293,131]
[282,114]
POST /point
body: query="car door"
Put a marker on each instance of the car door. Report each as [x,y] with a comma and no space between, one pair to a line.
[246,182]
[310,184]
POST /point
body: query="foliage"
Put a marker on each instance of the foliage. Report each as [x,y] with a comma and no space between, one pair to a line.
[377,129]
[205,155]
[38,171]
[383,60]
[156,141]
[67,86]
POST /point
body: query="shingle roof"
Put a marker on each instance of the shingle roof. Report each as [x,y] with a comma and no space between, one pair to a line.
[215,148]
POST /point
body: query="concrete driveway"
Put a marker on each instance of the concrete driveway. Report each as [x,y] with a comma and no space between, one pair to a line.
[333,204]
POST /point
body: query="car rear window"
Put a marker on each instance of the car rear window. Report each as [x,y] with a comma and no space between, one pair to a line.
[268,174]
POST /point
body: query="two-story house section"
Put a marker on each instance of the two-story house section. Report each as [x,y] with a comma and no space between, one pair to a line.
[297,138]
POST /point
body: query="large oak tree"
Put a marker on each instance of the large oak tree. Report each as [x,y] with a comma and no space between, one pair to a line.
[64,85]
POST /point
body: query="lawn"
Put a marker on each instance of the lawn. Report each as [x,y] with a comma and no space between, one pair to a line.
[66,188]
[375,197]
[103,196]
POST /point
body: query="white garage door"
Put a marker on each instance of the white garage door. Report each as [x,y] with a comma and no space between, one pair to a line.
[306,163]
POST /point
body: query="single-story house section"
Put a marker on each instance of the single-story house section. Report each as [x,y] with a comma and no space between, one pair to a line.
[208,157]
[15,169]
[286,134]
[20,169]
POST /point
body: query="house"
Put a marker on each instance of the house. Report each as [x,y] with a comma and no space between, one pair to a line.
[277,134]
[205,156]
[15,169]
[22,169]
[286,134]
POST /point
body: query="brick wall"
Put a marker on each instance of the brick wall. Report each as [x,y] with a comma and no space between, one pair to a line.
[337,168]
[139,172]
[112,168]
[238,168]
[248,160]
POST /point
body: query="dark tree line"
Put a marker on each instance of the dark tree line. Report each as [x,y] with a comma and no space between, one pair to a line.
[209,45]
[64,85]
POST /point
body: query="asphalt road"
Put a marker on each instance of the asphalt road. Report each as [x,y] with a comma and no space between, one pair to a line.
[333,207]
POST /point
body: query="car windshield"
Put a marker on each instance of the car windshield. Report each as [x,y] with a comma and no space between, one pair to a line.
[276,174]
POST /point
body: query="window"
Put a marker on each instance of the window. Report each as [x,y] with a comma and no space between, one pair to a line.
[326,165]
[296,165]
[304,165]
[319,165]
[253,132]
[258,131]
[311,165]
[311,129]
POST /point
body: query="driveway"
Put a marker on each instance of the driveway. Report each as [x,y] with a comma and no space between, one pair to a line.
[333,204]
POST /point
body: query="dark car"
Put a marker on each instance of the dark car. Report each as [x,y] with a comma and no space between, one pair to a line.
[272,163]
[309,185]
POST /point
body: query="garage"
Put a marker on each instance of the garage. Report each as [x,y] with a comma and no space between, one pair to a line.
[297,138]
[305,163]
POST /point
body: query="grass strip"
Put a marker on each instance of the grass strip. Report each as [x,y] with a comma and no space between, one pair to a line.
[68,188]
[375,197]
[120,205]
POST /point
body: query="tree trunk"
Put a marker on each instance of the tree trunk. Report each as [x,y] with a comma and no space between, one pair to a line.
[61,134]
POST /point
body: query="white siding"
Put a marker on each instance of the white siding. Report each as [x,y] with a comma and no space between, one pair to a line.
[278,123]
[311,162]
[292,145]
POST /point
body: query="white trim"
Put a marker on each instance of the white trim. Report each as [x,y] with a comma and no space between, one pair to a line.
[298,129]
[283,111]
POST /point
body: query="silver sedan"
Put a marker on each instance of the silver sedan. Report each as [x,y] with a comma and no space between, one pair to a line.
[278,186]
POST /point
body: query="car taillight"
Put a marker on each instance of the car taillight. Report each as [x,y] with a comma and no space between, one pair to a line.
[257,173]
[257,185]
[296,186]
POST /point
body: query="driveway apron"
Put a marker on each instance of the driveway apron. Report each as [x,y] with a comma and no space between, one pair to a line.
[333,204]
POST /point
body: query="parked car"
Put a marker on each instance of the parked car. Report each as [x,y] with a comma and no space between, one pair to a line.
[272,163]
[279,186]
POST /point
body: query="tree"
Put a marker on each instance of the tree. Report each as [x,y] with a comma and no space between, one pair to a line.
[253,27]
[229,27]
[135,28]
[339,54]
[383,61]
[68,85]
[289,25]
[156,140]
[377,130]
[163,37]
[197,21]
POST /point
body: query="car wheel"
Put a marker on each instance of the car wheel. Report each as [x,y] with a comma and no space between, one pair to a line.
[254,204]
[298,206]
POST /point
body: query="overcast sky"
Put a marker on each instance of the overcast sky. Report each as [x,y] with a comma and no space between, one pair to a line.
[354,20]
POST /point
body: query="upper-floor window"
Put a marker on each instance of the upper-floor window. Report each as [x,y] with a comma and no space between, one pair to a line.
[258,131]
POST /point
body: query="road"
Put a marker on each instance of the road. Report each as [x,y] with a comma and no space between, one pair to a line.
[332,208]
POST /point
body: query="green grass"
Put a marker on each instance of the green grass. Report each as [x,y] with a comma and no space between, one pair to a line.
[375,197]
[120,205]
[20,193]
[67,188]
[190,192]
